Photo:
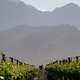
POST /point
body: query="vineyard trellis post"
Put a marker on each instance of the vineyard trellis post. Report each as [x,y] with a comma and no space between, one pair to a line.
[3,57]
[11,59]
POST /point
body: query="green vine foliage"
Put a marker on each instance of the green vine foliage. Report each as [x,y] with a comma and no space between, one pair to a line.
[12,71]
[66,71]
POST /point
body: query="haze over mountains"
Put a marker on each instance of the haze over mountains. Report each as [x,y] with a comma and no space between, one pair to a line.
[31,35]
[18,13]
[39,44]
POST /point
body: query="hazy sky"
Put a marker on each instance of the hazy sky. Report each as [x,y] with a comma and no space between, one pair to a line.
[49,5]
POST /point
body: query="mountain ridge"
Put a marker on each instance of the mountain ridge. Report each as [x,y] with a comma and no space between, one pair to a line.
[38,44]
[13,14]
[35,36]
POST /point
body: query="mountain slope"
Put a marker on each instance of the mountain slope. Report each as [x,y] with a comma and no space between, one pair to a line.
[44,43]
[68,14]
[18,13]
[12,14]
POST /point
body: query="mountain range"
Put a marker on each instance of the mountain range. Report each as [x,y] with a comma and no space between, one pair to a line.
[38,37]
[40,44]
[18,13]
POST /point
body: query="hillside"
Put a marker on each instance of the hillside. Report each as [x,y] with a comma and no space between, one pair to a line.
[41,44]
[19,13]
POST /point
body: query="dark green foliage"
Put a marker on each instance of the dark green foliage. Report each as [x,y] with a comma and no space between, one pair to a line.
[66,71]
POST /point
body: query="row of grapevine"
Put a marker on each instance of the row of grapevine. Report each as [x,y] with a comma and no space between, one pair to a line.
[4,58]
[63,71]
[12,71]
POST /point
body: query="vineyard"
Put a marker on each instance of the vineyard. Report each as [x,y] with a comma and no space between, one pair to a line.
[13,69]
[63,71]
